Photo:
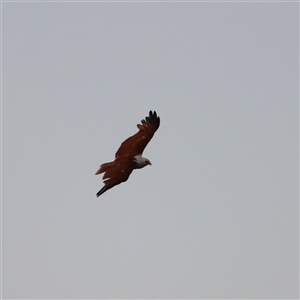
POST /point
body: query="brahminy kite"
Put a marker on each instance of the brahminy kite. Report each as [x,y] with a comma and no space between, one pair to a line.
[129,155]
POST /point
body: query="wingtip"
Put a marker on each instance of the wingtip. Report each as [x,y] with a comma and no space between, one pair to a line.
[152,113]
[103,190]
[155,119]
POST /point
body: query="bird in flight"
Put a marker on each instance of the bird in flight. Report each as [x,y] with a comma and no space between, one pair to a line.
[129,155]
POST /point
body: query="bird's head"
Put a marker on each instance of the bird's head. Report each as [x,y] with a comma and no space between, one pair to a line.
[141,162]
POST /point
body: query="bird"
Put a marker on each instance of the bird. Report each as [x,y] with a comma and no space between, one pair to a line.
[129,155]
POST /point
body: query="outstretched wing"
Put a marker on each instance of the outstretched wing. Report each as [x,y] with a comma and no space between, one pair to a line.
[115,173]
[137,143]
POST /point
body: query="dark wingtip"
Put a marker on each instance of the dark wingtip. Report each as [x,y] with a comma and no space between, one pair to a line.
[153,120]
[103,190]
[153,116]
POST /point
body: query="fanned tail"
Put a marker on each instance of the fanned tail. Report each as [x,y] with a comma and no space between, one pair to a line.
[104,167]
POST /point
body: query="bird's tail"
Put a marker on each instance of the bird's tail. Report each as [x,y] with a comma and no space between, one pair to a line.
[104,167]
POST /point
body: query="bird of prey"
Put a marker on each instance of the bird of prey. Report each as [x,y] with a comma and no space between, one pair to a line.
[129,155]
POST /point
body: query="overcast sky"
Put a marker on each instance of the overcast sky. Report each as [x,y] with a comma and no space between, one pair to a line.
[216,215]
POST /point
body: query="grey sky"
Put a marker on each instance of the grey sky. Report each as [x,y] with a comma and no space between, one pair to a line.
[216,216]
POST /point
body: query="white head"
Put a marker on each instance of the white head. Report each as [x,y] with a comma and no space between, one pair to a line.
[141,162]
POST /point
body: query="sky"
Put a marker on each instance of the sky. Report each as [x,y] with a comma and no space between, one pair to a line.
[216,216]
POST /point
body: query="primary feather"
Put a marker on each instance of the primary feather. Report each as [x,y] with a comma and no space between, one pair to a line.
[136,144]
